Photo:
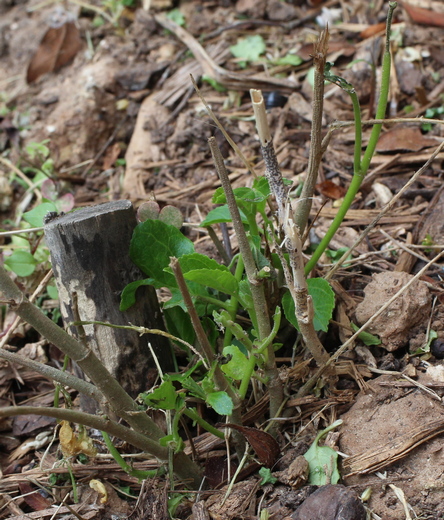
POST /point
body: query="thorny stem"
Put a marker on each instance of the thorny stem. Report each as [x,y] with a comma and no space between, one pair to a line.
[359,175]
[303,207]
[256,285]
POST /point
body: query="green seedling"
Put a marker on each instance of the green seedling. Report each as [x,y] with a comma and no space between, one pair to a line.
[267,477]
[322,460]
[248,49]
[177,17]
[432,113]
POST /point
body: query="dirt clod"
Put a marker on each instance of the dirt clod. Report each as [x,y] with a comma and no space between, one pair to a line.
[407,311]
[331,503]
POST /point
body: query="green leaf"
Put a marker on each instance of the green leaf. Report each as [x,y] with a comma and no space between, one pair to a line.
[289,59]
[222,281]
[195,261]
[21,262]
[176,16]
[214,83]
[53,293]
[207,272]
[323,460]
[261,184]
[220,402]
[35,216]
[238,364]
[267,477]
[366,338]
[179,324]
[38,150]
[152,245]
[221,214]
[245,296]
[323,303]
[193,388]
[164,397]
[128,297]
[242,195]
[249,48]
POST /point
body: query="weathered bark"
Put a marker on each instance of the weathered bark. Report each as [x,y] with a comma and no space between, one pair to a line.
[90,258]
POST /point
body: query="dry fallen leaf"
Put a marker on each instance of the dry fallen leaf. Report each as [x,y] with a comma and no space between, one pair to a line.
[404,138]
[73,444]
[424,16]
[266,447]
[100,488]
[331,190]
[59,45]
[33,498]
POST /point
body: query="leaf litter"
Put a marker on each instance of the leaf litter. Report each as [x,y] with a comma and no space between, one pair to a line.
[123,120]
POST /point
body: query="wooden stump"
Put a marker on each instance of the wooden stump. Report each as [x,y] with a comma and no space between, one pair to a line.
[90,258]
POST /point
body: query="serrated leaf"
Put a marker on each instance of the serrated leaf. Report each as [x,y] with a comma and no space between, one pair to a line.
[323,303]
[220,402]
[238,364]
[323,460]
[35,216]
[152,245]
[21,262]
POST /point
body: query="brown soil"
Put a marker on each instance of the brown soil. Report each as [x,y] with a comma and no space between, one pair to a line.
[127,95]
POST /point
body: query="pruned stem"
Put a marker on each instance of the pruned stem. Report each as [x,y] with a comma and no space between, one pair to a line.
[303,207]
[65,378]
[359,175]
[256,284]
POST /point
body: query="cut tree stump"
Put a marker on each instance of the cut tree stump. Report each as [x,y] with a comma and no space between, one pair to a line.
[90,258]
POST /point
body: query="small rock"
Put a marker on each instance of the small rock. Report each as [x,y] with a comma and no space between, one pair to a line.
[331,503]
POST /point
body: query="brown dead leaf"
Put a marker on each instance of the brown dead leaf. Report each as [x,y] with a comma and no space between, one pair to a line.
[111,155]
[404,138]
[424,16]
[73,444]
[331,190]
[33,498]
[372,30]
[59,45]
[266,447]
